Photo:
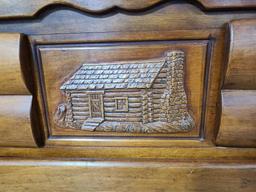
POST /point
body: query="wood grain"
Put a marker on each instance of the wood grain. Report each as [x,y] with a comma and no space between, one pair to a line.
[238,122]
[101,38]
[166,153]
[15,121]
[189,163]
[59,61]
[228,4]
[165,19]
[174,22]
[241,67]
[27,8]
[71,176]
[15,91]
[11,54]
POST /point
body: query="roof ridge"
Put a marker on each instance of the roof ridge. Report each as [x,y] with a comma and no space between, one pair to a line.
[115,75]
[127,62]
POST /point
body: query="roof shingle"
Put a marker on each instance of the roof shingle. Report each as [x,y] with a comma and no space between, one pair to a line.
[121,75]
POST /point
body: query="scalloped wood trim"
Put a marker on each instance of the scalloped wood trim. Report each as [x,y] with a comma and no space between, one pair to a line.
[28,8]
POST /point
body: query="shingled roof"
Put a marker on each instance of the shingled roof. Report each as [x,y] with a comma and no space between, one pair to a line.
[121,75]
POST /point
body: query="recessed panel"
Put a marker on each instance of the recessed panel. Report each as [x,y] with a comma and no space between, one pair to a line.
[124,89]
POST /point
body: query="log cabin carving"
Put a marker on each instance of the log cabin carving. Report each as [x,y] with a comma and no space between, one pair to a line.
[131,96]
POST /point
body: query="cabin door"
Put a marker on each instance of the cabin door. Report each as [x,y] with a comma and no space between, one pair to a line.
[96,105]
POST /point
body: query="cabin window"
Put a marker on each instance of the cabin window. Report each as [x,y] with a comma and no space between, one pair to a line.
[121,104]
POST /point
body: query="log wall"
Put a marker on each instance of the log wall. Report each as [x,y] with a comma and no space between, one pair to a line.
[158,89]
[80,106]
[134,113]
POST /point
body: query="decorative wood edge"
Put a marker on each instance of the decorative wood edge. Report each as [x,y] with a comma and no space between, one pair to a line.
[241,68]
[138,176]
[135,153]
[238,110]
[15,121]
[238,122]
[18,114]
[28,8]
[13,54]
[227,4]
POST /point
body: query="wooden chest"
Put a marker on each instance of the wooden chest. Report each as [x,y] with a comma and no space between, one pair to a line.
[138,95]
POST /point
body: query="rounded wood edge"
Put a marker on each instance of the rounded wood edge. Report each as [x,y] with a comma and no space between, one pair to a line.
[207,154]
[11,75]
[237,124]
[120,176]
[239,64]
[15,121]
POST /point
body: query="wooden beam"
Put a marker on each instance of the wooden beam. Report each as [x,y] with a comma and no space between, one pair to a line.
[110,176]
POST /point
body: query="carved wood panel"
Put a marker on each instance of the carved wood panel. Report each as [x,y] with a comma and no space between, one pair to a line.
[66,35]
[156,100]
[124,88]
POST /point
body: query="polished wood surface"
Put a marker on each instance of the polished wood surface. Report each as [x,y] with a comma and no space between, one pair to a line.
[167,18]
[58,62]
[54,28]
[11,56]
[238,122]
[174,28]
[74,176]
[241,68]
[218,40]
[225,4]
[27,8]
[15,121]
[15,93]
[103,152]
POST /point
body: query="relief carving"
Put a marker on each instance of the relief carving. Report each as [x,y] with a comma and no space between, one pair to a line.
[132,96]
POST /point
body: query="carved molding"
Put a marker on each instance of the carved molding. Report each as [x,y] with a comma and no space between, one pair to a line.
[131,96]
[241,57]
[238,94]
[11,57]
[15,92]
[28,8]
